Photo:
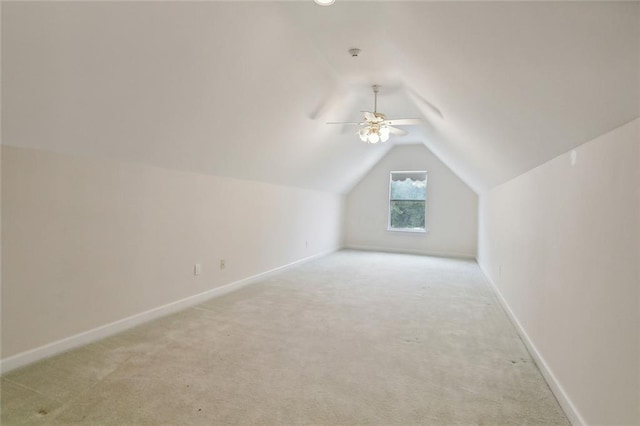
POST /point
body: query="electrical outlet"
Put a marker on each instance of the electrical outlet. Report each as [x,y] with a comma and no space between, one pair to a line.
[197,269]
[223,264]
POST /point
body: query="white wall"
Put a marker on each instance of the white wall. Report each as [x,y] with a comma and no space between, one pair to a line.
[87,242]
[451,216]
[561,245]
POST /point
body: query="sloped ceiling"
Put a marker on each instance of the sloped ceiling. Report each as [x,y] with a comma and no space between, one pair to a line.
[243,89]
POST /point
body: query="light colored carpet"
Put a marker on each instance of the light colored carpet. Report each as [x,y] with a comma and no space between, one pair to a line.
[351,338]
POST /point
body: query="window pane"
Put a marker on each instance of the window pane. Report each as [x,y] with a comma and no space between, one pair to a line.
[408,189]
[407,200]
[407,214]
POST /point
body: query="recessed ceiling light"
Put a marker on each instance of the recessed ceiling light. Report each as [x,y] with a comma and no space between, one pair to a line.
[325,2]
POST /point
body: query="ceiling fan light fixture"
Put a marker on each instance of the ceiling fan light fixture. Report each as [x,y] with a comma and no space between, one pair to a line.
[364,133]
[374,137]
[384,133]
[369,134]
[374,133]
[324,2]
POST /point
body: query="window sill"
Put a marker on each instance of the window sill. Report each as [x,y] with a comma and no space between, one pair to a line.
[409,230]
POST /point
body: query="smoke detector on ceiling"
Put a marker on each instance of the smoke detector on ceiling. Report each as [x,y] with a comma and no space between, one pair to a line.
[354,52]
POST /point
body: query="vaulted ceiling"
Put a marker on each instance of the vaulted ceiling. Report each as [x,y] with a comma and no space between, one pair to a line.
[243,89]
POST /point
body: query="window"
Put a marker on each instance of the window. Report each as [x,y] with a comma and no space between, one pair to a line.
[407,201]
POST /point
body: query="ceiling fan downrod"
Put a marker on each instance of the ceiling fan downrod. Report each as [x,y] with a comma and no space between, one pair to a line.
[375,88]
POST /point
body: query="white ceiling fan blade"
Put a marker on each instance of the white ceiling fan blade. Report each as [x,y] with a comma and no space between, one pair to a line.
[397,132]
[404,121]
[345,122]
[369,116]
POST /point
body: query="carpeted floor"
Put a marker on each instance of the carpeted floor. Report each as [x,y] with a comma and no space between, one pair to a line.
[351,338]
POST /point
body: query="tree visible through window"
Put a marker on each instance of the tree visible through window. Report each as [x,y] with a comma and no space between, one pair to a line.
[407,201]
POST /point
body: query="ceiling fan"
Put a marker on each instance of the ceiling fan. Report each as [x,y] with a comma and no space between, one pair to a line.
[376,127]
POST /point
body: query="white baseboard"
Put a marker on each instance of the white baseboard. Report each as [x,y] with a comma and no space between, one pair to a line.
[24,358]
[563,399]
[409,251]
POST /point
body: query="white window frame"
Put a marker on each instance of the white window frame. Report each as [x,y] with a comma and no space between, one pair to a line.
[410,230]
